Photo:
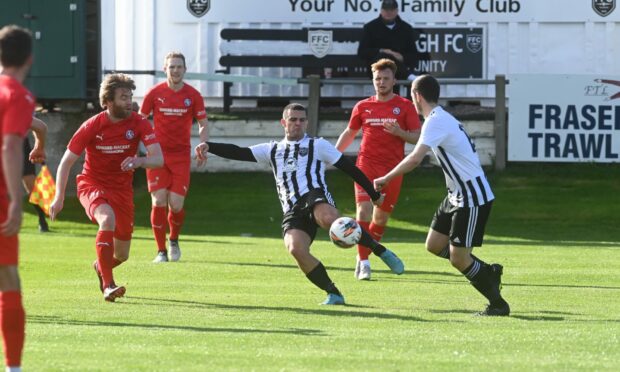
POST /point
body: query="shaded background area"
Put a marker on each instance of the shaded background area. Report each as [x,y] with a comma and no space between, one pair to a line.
[539,202]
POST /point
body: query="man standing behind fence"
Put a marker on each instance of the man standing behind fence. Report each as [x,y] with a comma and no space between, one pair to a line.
[388,36]
[387,121]
[174,104]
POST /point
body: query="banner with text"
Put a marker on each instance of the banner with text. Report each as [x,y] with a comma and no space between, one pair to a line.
[425,11]
[564,118]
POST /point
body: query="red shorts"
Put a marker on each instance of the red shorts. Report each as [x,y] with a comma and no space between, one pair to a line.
[9,245]
[91,196]
[391,191]
[173,176]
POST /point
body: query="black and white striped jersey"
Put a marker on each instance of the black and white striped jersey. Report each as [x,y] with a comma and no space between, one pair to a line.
[298,166]
[465,179]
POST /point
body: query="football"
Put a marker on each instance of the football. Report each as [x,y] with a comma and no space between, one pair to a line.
[345,232]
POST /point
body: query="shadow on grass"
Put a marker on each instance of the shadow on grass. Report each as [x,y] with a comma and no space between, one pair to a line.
[43,319]
[329,268]
[546,318]
[560,286]
[339,311]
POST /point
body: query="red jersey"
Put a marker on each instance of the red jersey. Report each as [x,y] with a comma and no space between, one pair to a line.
[16,109]
[107,144]
[173,115]
[379,147]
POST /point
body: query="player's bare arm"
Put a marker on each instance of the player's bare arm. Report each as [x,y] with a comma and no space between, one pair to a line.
[62,176]
[203,133]
[346,138]
[153,159]
[39,129]
[409,163]
[12,164]
[408,136]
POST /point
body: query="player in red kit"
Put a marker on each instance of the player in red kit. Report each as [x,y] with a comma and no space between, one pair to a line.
[104,187]
[388,121]
[16,107]
[174,105]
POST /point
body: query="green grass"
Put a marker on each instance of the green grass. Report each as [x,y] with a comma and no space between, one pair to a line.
[238,302]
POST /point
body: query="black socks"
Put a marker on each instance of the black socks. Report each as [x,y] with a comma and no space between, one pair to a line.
[367,241]
[318,276]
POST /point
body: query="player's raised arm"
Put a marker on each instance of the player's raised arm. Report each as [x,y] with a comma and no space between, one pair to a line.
[225,150]
[358,176]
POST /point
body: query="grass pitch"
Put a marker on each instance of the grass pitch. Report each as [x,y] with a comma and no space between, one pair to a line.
[237,301]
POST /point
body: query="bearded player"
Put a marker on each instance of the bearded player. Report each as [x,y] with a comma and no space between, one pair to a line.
[104,187]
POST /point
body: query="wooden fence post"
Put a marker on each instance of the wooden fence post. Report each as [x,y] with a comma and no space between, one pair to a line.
[500,122]
[314,98]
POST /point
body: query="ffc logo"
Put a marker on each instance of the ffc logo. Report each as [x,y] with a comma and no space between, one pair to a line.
[396,110]
[320,42]
[187,102]
[603,7]
[198,8]
[474,42]
[129,134]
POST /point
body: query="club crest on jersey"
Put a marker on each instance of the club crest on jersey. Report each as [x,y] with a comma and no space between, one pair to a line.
[187,102]
[290,165]
[303,151]
[129,134]
[396,110]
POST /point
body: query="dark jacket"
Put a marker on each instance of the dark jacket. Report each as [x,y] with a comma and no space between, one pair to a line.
[377,36]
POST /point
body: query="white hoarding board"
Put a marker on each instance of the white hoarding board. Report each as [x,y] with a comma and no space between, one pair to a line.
[411,10]
[564,118]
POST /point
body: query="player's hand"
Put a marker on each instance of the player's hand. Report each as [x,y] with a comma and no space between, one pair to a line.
[56,207]
[13,221]
[201,162]
[392,128]
[132,162]
[37,155]
[380,183]
[201,152]
[379,201]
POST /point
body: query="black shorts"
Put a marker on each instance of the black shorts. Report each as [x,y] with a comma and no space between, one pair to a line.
[301,216]
[464,225]
[28,166]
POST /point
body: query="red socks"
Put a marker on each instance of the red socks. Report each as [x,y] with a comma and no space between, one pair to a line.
[362,251]
[12,321]
[175,220]
[158,223]
[376,231]
[105,256]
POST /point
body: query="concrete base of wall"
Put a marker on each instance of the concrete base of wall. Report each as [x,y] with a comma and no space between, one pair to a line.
[242,133]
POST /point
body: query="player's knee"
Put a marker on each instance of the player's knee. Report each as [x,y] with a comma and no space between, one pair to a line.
[431,249]
[106,221]
[297,251]
[121,256]
[459,262]
[176,207]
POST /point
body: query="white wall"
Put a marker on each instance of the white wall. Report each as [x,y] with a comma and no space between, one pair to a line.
[544,36]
